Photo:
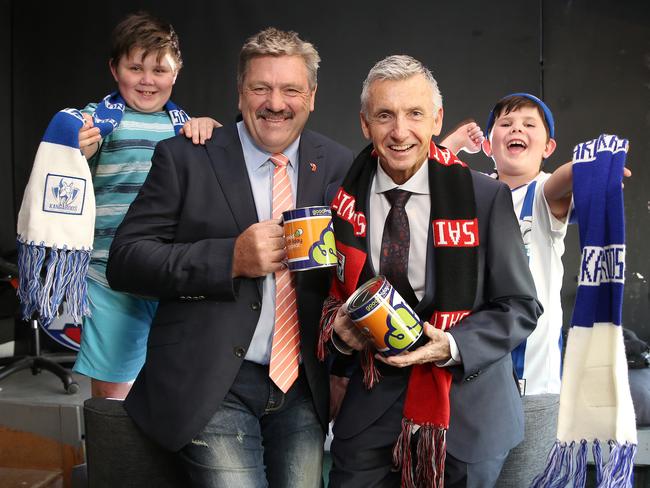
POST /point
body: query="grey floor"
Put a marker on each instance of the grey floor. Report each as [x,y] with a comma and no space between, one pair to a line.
[39,404]
[43,388]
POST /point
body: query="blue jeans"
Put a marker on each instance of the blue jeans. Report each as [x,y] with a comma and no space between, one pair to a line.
[259,437]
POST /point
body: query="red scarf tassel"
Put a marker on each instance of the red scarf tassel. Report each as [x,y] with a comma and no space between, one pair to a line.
[431,449]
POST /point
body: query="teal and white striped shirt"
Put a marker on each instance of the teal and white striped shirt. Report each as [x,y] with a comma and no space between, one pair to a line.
[119,169]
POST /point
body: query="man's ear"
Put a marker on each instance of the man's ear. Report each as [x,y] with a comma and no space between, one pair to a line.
[486,145]
[437,121]
[312,99]
[550,148]
[364,126]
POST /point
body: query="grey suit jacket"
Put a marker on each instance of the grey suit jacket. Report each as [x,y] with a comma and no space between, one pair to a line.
[486,410]
[176,243]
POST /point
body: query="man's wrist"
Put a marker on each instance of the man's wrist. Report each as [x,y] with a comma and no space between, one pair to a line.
[340,346]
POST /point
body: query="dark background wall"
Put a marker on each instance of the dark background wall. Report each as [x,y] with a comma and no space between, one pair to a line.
[589,59]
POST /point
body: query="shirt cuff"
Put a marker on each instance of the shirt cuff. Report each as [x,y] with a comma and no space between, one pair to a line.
[455,353]
[340,346]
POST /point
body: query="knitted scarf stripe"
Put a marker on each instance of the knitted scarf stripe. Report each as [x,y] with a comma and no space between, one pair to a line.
[454,228]
[595,400]
[57,216]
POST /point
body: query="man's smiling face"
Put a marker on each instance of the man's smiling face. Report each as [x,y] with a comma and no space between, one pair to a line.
[400,119]
[275,100]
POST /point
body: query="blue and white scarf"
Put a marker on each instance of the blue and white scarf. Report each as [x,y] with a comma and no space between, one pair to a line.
[56,221]
[595,401]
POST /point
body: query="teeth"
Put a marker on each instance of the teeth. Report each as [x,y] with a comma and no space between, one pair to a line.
[517,143]
[402,147]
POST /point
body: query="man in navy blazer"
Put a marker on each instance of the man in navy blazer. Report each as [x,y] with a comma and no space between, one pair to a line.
[401,111]
[200,238]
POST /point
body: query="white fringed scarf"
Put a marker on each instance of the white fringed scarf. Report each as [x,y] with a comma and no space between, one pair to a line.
[56,222]
[595,401]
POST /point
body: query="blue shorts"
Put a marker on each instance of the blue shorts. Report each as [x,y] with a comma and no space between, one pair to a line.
[114,337]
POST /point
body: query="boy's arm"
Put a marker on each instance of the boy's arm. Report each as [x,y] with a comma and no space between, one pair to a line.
[558,190]
[466,136]
[89,137]
[199,129]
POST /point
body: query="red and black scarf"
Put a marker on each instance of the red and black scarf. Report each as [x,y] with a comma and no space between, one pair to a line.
[454,225]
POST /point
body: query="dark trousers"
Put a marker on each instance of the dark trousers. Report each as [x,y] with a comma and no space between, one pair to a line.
[366,459]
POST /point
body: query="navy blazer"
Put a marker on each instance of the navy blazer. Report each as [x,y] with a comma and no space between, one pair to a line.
[176,244]
[486,411]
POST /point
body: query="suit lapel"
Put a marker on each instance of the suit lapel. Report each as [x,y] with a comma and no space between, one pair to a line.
[429,277]
[311,172]
[311,182]
[227,159]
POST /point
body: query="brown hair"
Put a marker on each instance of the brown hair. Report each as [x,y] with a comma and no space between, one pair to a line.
[275,42]
[144,31]
[515,102]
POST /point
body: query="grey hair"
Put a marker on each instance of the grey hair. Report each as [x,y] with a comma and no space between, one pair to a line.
[276,42]
[398,67]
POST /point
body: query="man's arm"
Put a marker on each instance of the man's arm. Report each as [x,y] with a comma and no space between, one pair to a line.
[144,257]
[510,311]
[507,316]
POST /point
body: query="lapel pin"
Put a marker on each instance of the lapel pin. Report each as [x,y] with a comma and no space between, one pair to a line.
[313,167]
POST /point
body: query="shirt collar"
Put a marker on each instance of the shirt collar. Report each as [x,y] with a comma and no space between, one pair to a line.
[418,183]
[256,157]
[539,176]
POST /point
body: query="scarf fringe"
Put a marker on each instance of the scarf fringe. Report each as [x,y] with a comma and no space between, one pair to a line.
[431,449]
[330,308]
[567,463]
[371,374]
[65,277]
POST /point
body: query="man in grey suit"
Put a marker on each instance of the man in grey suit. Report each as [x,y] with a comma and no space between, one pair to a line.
[458,260]
[202,237]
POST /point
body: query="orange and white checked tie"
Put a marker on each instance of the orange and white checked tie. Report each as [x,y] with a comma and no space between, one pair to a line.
[285,350]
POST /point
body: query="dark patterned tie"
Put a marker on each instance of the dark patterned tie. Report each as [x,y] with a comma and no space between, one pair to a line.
[394,259]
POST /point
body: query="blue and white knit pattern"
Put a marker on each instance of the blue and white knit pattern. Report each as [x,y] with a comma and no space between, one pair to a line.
[57,215]
[595,401]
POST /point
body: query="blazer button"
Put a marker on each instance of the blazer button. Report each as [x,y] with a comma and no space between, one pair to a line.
[256,306]
[239,351]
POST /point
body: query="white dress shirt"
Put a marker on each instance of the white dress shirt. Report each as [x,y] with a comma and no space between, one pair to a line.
[260,174]
[418,210]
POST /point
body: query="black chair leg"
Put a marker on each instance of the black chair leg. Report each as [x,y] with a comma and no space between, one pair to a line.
[37,362]
[16,366]
[69,384]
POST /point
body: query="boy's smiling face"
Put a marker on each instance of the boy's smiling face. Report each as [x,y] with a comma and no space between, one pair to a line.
[146,84]
[519,142]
